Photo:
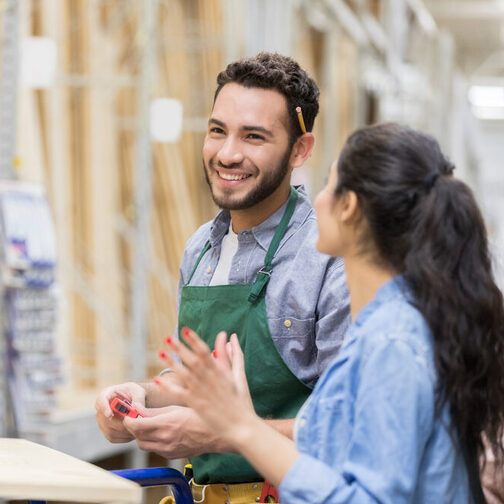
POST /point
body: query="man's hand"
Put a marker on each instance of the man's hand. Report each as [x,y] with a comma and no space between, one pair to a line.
[112,425]
[173,432]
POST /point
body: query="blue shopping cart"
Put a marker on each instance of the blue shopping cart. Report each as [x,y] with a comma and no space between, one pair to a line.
[156,476]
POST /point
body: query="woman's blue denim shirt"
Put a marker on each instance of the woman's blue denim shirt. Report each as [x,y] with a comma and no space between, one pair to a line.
[369,433]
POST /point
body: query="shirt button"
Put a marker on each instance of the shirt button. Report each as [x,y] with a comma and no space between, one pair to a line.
[302,423]
[287,323]
[209,269]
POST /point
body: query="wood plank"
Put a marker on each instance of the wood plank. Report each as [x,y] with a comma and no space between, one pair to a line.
[111,328]
[32,471]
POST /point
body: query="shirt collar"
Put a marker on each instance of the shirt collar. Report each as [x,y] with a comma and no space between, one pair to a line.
[219,228]
[263,233]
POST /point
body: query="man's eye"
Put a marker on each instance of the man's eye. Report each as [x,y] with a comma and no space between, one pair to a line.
[216,130]
[254,136]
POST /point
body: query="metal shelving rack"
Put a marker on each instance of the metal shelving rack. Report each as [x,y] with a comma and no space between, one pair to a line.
[8,103]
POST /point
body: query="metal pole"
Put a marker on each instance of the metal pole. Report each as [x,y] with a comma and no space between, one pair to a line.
[8,89]
[143,192]
[8,105]
[143,199]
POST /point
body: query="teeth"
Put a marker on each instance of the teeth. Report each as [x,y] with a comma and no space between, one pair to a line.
[227,176]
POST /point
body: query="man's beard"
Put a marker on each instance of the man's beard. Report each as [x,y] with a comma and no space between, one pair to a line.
[271,181]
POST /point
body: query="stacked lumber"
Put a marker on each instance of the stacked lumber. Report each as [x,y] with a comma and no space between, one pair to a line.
[78,138]
[331,58]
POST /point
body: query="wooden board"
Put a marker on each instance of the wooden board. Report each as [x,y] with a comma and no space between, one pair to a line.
[32,471]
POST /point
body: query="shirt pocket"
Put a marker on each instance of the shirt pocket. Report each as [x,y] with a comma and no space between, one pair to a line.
[334,429]
[289,327]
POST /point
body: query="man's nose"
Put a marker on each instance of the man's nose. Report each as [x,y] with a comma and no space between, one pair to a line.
[230,152]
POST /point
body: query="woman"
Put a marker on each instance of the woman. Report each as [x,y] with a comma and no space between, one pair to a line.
[398,416]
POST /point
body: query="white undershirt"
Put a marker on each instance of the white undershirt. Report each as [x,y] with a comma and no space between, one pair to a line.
[229,247]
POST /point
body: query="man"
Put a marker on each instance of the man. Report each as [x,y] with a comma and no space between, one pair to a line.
[253,271]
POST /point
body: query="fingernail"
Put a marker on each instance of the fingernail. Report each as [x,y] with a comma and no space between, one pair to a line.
[185,332]
[162,354]
[168,340]
[157,381]
[214,354]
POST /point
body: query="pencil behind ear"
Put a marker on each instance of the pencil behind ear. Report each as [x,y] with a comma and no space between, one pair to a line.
[299,113]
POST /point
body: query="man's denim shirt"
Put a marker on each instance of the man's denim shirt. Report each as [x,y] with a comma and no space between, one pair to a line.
[369,432]
[307,300]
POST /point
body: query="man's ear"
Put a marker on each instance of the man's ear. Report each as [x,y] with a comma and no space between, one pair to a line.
[302,149]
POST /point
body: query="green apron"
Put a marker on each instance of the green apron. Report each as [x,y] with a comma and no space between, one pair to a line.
[240,308]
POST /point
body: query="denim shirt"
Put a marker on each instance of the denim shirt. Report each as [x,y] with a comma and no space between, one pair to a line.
[307,300]
[369,432]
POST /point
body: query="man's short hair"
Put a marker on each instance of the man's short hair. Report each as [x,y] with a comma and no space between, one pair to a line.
[283,74]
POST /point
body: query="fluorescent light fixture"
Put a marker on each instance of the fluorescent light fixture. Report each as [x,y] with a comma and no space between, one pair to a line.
[489,113]
[166,120]
[38,62]
[487,96]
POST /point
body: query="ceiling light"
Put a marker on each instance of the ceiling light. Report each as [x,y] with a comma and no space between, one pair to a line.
[487,96]
[38,62]
[487,102]
[489,113]
[166,120]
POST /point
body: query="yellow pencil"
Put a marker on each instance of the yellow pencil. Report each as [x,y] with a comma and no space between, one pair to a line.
[300,119]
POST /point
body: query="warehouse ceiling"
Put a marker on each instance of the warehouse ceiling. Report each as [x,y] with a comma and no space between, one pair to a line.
[478,29]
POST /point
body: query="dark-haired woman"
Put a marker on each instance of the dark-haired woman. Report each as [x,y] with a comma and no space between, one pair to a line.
[399,415]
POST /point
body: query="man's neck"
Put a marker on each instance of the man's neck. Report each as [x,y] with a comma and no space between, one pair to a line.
[253,216]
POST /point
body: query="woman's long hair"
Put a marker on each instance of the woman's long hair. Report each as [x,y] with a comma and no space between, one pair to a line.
[425,224]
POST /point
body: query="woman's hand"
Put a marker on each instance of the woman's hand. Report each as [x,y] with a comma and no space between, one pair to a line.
[213,383]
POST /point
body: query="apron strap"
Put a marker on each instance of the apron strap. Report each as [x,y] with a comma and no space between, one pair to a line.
[205,249]
[264,274]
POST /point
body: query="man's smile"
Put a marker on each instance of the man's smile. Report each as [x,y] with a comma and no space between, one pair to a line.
[233,176]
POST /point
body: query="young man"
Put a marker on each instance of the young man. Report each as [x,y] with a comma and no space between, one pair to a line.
[253,271]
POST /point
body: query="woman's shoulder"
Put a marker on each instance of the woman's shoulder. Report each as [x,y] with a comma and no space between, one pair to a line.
[398,324]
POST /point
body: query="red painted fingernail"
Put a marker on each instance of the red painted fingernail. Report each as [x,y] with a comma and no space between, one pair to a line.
[185,332]
[162,354]
[168,340]
[157,381]
[214,354]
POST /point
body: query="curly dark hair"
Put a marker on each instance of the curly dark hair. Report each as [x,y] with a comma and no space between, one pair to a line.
[283,74]
[425,224]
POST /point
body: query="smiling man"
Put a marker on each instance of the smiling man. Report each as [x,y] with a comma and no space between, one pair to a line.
[247,152]
[253,271]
